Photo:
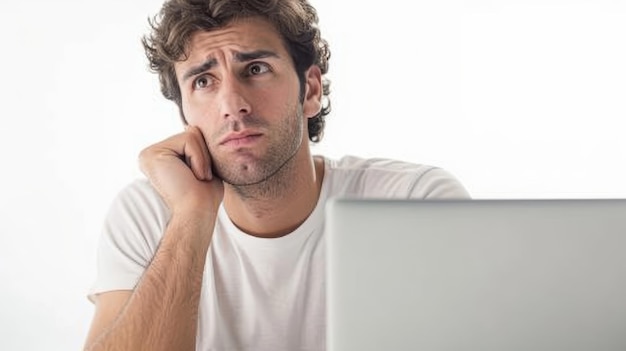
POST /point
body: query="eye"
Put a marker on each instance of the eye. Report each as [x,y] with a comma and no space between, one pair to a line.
[201,82]
[257,68]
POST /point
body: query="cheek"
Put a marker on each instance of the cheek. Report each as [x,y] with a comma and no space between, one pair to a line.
[201,113]
[196,111]
[275,102]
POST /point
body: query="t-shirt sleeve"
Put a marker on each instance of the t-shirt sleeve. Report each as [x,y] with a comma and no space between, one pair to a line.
[356,177]
[437,183]
[130,236]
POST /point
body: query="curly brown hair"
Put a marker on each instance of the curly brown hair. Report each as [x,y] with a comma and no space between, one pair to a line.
[295,20]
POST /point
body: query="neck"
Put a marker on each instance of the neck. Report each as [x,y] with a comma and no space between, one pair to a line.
[279,205]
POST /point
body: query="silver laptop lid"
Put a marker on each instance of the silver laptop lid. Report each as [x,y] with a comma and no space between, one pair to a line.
[476,275]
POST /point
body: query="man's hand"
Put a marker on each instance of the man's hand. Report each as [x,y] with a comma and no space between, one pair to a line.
[161,313]
[179,167]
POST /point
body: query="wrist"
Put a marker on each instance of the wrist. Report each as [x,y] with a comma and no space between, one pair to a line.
[196,209]
[195,223]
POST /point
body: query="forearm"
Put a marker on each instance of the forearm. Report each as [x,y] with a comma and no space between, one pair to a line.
[162,312]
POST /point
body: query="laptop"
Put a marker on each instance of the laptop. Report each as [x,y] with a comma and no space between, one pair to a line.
[476,275]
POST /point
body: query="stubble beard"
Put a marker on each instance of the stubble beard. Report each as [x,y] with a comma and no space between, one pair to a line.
[269,175]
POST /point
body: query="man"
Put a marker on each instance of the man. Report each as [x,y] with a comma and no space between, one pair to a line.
[222,246]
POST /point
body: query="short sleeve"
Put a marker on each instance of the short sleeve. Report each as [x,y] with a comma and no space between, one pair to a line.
[437,183]
[130,236]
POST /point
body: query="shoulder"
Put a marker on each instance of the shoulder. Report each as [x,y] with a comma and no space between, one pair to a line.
[132,229]
[384,177]
[137,210]
[353,164]
[139,196]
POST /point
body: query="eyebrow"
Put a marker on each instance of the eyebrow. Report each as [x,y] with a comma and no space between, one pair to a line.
[239,57]
[204,66]
[254,55]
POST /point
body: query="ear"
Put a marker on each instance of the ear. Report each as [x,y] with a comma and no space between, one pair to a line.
[312,103]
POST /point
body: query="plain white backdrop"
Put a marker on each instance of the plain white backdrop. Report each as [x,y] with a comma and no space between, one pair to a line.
[517,98]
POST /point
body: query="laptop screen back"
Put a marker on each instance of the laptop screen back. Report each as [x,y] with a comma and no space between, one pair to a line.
[476,275]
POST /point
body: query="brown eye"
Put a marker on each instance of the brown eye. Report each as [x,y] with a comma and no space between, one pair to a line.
[257,68]
[201,82]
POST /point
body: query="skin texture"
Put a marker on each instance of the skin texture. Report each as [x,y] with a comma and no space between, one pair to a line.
[229,90]
[247,125]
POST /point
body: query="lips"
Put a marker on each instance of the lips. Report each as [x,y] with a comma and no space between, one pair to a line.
[240,138]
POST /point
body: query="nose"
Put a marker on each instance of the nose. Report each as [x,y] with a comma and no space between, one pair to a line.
[232,100]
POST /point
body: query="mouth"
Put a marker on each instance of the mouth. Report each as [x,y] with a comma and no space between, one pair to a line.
[240,139]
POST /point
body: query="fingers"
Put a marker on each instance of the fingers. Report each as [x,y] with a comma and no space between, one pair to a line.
[188,147]
[179,169]
[196,154]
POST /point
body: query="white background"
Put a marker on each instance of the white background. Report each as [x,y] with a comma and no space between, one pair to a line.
[517,98]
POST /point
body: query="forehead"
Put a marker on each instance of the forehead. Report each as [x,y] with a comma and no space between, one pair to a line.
[242,35]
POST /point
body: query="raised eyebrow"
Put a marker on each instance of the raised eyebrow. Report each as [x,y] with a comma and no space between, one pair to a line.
[254,55]
[204,66]
[239,57]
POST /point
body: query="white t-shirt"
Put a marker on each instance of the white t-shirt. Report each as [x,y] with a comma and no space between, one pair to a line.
[258,294]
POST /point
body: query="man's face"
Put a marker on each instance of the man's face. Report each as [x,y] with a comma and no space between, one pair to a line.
[239,86]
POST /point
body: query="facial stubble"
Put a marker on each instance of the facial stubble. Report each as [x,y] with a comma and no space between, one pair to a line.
[266,175]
